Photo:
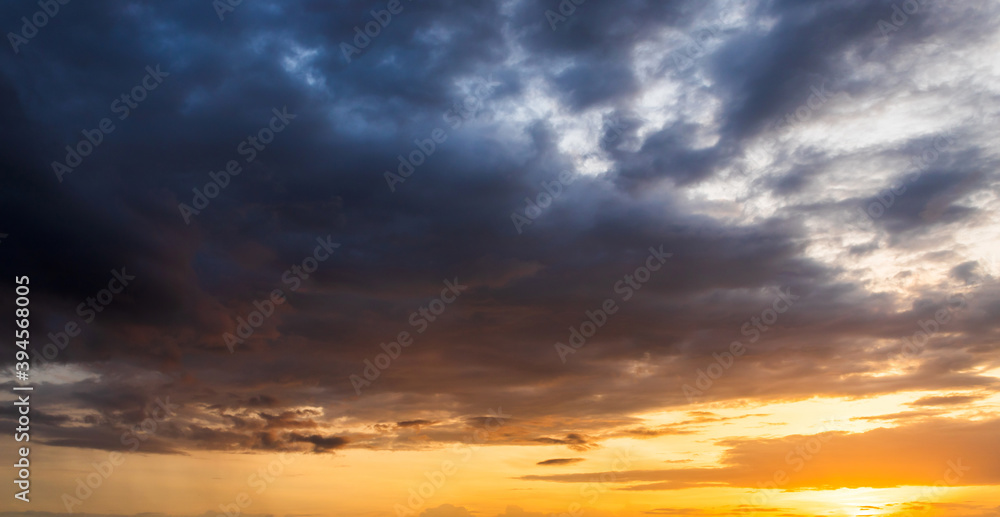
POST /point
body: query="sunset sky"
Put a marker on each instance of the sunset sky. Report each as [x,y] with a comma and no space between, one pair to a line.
[503,258]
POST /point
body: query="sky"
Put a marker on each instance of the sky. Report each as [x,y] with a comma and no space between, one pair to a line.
[502,258]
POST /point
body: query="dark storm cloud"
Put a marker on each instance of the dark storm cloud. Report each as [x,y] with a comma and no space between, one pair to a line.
[769,73]
[586,85]
[669,153]
[323,176]
[596,30]
[931,200]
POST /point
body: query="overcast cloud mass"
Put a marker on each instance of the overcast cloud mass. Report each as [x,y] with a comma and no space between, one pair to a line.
[621,258]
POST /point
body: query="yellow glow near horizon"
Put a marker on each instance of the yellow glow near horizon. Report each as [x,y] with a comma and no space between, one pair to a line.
[305,484]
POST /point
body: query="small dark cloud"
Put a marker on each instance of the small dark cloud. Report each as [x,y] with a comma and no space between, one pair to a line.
[560,461]
[647,432]
[415,423]
[574,441]
[321,443]
[947,400]
[903,415]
